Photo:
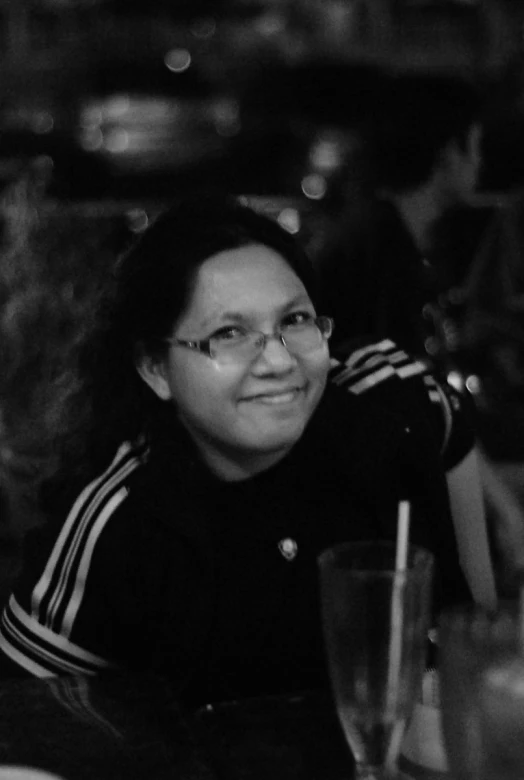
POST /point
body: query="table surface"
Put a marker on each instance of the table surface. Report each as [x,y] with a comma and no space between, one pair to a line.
[85,728]
[132,728]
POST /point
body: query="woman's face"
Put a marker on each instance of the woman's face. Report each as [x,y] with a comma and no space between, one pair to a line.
[244,415]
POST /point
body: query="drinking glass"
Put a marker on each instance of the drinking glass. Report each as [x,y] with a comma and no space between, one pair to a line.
[481,662]
[376,623]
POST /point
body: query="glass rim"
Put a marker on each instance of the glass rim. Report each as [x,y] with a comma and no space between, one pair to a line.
[467,611]
[423,557]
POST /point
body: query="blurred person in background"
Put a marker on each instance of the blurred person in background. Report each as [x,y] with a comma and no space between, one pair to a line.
[482,340]
[408,238]
[224,447]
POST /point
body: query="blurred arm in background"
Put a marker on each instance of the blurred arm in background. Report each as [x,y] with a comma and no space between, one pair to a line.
[482,342]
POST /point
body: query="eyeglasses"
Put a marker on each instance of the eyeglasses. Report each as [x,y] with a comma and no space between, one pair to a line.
[236,344]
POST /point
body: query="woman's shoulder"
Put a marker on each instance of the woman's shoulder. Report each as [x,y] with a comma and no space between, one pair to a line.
[141,481]
[367,405]
[121,515]
[87,486]
[384,381]
[374,368]
[112,486]
[88,502]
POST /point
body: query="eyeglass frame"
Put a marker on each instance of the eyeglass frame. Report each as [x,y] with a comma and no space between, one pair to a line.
[204,345]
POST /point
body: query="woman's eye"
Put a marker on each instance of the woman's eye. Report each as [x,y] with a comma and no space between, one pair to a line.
[297,318]
[229,333]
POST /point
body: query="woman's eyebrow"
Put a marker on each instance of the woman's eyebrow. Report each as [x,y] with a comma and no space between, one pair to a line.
[302,299]
[232,316]
[217,319]
[242,317]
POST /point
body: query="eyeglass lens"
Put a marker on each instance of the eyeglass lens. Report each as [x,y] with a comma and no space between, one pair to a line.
[296,340]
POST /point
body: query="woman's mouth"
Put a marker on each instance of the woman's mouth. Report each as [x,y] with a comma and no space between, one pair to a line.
[276,398]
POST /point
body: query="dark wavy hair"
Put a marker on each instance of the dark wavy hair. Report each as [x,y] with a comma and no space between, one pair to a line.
[151,288]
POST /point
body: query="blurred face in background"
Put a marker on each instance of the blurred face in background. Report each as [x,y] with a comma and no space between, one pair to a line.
[243,414]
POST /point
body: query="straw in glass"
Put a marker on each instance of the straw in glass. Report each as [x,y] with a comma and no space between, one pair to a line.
[397,618]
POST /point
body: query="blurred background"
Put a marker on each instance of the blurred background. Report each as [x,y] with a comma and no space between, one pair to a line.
[117,106]
[114,107]
[120,103]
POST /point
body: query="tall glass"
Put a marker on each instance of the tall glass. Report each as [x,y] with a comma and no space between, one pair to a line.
[376,623]
[481,663]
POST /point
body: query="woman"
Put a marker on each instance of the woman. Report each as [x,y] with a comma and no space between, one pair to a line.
[227,449]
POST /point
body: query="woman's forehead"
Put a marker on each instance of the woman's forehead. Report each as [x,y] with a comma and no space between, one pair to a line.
[248,276]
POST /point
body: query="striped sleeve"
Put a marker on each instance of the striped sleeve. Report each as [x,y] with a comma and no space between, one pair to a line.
[372,365]
[37,631]
[381,369]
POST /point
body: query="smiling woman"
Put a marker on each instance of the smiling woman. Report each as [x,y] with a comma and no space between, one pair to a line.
[249,402]
[226,449]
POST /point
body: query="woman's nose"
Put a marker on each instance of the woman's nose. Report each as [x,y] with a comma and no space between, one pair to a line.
[276,355]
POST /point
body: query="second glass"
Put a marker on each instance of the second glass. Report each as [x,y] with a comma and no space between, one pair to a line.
[481,663]
[376,623]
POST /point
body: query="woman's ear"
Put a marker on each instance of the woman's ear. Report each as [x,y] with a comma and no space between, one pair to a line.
[152,370]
